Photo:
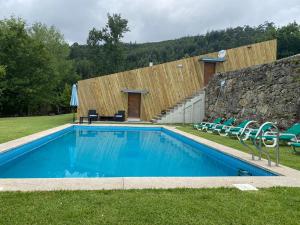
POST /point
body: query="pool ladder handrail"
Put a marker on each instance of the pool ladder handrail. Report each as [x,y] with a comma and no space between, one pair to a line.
[242,138]
[259,137]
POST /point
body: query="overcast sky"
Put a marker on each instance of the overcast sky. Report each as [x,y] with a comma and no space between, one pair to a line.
[152,20]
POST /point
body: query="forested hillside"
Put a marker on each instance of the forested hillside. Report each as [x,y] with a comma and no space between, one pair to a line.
[38,67]
[139,55]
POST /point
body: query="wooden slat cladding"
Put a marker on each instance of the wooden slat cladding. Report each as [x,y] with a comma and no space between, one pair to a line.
[166,83]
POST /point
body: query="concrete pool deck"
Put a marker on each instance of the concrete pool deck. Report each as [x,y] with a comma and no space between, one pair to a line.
[288,177]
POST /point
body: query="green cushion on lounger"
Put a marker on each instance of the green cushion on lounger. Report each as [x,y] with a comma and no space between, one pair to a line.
[228,122]
[295,129]
[208,124]
[218,120]
[296,144]
[234,131]
[288,135]
[264,129]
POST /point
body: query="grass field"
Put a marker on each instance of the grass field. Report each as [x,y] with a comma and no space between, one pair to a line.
[287,155]
[275,206]
[16,127]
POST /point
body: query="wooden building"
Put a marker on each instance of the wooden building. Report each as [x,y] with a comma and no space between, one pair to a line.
[143,93]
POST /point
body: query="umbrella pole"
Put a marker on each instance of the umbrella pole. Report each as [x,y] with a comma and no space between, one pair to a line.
[73,114]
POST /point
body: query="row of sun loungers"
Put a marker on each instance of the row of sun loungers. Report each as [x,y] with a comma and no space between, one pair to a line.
[241,130]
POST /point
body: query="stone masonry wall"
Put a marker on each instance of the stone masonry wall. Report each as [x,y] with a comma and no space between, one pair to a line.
[268,92]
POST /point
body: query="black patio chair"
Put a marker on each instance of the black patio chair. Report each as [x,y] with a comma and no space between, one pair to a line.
[92,115]
[120,116]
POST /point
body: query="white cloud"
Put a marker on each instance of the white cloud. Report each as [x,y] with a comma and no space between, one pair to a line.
[151,20]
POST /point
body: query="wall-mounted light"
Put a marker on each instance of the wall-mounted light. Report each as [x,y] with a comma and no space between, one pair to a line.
[222,83]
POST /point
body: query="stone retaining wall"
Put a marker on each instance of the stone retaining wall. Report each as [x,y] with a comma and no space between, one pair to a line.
[268,92]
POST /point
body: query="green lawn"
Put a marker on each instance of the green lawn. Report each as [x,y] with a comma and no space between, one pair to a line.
[287,156]
[178,206]
[16,127]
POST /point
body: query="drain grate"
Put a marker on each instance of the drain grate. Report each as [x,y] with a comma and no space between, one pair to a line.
[245,187]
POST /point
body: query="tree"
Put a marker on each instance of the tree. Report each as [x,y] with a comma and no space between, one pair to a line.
[107,42]
[2,80]
[36,68]
[288,40]
[86,68]
[25,63]
[62,68]
[2,71]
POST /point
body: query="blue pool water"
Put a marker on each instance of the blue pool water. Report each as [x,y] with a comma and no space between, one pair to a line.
[82,151]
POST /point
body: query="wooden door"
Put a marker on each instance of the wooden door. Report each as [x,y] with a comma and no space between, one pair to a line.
[134,105]
[209,70]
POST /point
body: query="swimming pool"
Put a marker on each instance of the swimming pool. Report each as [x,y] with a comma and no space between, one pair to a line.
[112,151]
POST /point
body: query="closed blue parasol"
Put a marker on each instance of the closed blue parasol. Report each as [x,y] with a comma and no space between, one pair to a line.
[74,99]
[74,96]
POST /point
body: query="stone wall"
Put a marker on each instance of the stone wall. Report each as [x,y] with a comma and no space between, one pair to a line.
[268,92]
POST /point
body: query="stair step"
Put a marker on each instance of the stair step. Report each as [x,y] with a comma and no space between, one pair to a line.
[170,108]
[157,117]
[176,106]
